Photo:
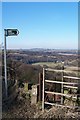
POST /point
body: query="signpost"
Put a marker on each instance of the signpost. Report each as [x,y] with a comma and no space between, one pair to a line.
[7,32]
[11,32]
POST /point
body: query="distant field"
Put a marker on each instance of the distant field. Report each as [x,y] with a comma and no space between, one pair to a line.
[49,64]
[71,69]
[52,64]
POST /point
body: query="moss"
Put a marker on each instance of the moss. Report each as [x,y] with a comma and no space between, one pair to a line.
[26,87]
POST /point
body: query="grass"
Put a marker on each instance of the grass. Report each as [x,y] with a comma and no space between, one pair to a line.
[53,65]
[49,64]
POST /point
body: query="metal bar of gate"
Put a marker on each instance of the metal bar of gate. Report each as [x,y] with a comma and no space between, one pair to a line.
[43,89]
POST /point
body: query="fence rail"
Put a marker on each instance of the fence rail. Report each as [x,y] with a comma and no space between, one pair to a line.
[70,77]
[70,87]
[69,83]
[64,84]
[54,70]
[53,104]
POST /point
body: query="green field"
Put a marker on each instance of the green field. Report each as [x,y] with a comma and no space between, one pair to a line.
[53,65]
[49,64]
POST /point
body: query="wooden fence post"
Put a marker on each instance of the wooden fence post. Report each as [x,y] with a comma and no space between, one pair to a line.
[43,89]
[40,86]
[62,86]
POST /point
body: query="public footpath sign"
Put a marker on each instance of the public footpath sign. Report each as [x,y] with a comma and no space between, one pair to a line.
[7,32]
[11,32]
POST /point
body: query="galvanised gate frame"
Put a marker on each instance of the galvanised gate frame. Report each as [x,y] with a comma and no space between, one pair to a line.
[70,85]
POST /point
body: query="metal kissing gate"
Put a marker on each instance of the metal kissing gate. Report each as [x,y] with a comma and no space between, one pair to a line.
[66,82]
